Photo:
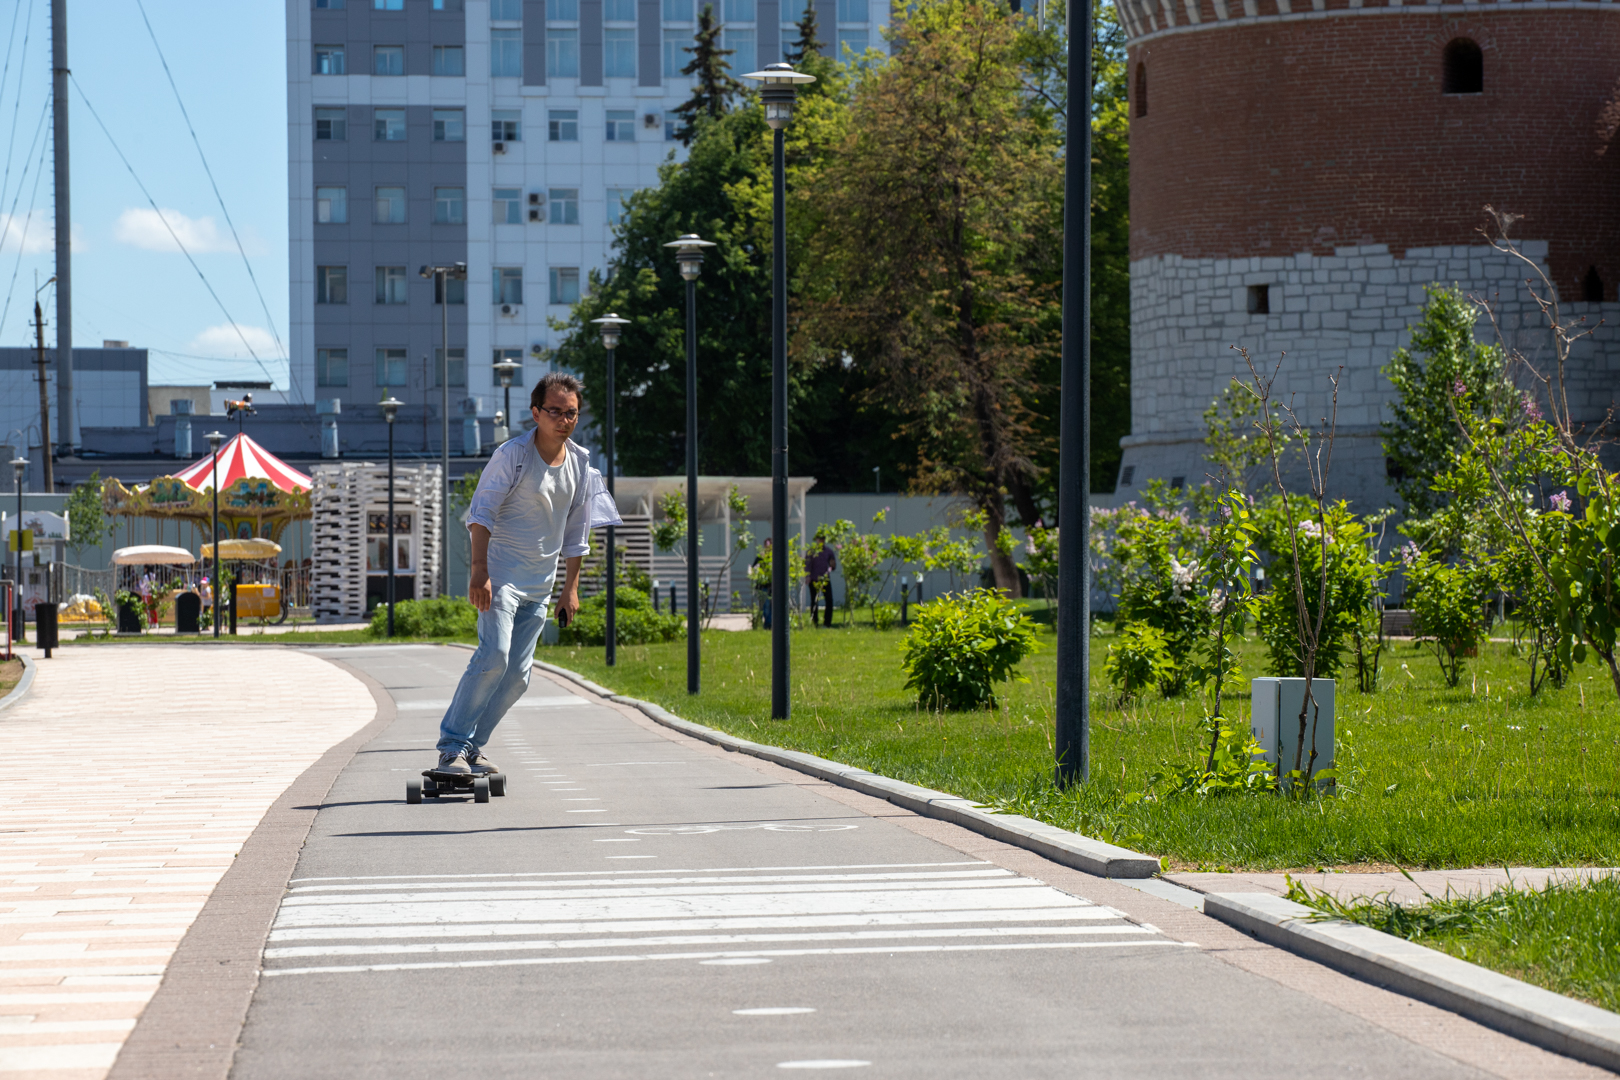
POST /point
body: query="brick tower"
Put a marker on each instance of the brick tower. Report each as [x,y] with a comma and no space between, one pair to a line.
[1300,169]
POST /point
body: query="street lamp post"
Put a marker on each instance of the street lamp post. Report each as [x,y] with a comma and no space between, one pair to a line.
[505,371]
[610,324]
[19,465]
[779,87]
[390,409]
[689,253]
[214,439]
[442,276]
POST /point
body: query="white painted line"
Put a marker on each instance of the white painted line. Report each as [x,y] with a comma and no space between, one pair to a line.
[589,799]
[779,1010]
[583,873]
[618,840]
[69,1056]
[823,1063]
[705,879]
[632,856]
[613,890]
[610,764]
[596,811]
[27,1025]
[737,961]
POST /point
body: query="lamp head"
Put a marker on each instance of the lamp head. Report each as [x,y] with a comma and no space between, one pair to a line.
[779,86]
[506,371]
[214,439]
[610,324]
[19,465]
[390,407]
[689,253]
[426,271]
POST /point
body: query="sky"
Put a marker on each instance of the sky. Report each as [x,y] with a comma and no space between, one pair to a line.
[130,279]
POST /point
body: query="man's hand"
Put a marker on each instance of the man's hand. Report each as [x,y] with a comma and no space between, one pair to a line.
[568,603]
[479,590]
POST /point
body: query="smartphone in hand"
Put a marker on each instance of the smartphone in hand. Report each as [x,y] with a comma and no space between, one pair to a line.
[562,617]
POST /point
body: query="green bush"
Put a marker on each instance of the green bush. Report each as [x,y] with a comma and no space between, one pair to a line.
[437,618]
[1352,586]
[1140,660]
[885,615]
[635,621]
[1448,602]
[961,645]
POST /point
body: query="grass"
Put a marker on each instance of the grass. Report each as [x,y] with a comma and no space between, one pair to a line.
[1479,775]
[11,673]
[1564,936]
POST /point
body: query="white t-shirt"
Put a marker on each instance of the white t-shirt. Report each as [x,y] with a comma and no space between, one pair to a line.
[529,507]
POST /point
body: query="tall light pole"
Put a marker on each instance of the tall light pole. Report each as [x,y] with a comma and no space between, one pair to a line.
[780,85]
[390,409]
[214,439]
[505,371]
[65,399]
[19,466]
[443,276]
[689,253]
[610,324]
[1072,743]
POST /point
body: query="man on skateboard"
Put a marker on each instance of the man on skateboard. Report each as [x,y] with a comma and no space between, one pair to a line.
[536,502]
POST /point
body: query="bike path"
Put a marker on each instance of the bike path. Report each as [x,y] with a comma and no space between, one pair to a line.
[642,906]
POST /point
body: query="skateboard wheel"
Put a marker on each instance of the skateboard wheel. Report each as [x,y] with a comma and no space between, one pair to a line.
[413,791]
[497,784]
[481,789]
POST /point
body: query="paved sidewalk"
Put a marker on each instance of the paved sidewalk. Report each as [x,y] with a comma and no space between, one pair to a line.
[135,775]
[244,628]
[1434,882]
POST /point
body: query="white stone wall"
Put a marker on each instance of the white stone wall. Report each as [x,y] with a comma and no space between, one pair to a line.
[1341,313]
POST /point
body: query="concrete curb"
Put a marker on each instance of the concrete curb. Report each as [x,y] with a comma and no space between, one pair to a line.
[1048,841]
[1551,1021]
[20,691]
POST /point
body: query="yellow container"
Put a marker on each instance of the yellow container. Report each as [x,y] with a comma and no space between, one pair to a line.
[258,601]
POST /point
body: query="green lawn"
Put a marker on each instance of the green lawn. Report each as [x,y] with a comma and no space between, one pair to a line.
[1565,937]
[1480,775]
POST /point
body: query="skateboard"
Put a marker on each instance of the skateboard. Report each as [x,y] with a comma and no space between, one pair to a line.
[435,783]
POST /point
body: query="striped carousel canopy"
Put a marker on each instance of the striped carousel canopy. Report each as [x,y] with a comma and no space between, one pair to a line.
[242,457]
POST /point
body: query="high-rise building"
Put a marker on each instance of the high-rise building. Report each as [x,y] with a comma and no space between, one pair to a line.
[500,133]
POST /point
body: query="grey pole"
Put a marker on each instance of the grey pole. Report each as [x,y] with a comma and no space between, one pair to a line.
[19,465]
[610,324]
[689,254]
[214,439]
[1073,734]
[444,446]
[64,230]
[390,409]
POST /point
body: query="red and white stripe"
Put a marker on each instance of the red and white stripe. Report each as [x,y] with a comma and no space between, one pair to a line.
[243,457]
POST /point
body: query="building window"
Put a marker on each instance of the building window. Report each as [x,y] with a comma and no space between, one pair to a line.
[1462,67]
[563,125]
[458,289]
[331,205]
[508,203]
[616,198]
[506,10]
[619,54]
[1126,475]
[458,367]
[743,11]
[1139,106]
[619,10]
[388,5]
[675,52]
[392,368]
[506,54]
[390,206]
[565,284]
[388,125]
[449,206]
[741,44]
[1259,299]
[390,285]
[331,367]
[565,11]
[678,10]
[621,125]
[328,5]
[671,125]
[1592,286]
[564,206]
[516,357]
[388,59]
[562,54]
[854,40]
[449,60]
[329,60]
[853,11]
[449,125]
[331,284]
[506,125]
[509,285]
[331,125]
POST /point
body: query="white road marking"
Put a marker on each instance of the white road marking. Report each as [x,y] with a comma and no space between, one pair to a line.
[778,1010]
[823,1063]
[599,810]
[586,873]
[736,960]
[617,840]
[632,856]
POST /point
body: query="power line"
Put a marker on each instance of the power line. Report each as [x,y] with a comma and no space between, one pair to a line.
[11,141]
[22,241]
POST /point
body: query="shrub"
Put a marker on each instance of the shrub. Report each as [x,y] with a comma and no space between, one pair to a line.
[635,621]
[1353,577]
[885,615]
[1448,602]
[444,616]
[1140,660]
[961,645]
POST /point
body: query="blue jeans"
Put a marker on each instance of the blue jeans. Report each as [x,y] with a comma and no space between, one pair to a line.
[498,673]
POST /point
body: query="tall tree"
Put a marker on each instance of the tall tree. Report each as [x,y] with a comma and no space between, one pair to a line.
[716,88]
[935,254]
[809,41]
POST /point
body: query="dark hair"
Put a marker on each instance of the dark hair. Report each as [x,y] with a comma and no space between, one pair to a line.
[561,380]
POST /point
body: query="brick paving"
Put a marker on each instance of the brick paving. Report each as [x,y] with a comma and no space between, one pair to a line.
[135,776]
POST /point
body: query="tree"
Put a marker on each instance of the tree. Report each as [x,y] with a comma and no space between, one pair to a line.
[87,516]
[1443,366]
[933,265]
[716,88]
[809,41]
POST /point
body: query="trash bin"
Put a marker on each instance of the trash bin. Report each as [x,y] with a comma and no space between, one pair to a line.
[129,620]
[45,636]
[188,613]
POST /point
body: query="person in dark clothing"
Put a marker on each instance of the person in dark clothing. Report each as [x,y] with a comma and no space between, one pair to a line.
[765,593]
[818,567]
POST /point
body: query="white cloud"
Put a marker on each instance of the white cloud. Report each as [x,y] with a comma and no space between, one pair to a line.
[143,228]
[224,341]
[34,232]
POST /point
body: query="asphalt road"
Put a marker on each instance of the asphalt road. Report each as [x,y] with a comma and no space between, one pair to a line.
[635,907]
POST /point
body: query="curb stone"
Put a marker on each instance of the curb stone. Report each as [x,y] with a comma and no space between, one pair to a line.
[1549,1020]
[18,692]
[1049,841]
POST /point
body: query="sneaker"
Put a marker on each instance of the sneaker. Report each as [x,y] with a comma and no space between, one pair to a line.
[481,764]
[453,763]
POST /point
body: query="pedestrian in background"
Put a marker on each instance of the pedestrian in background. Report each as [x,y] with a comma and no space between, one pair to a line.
[818,567]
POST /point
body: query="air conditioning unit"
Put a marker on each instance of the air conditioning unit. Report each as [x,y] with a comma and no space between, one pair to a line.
[537,216]
[500,148]
[534,198]
[650,121]
[509,309]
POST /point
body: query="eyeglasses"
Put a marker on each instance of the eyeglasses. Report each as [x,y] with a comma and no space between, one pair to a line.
[566,416]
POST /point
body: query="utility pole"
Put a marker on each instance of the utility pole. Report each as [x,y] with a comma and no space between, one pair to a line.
[64,233]
[44,393]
